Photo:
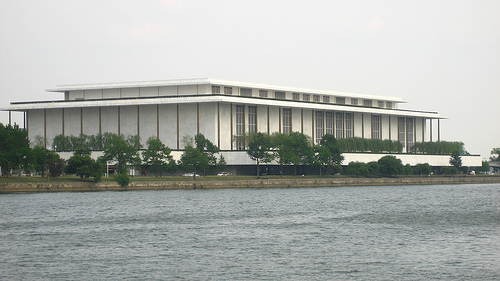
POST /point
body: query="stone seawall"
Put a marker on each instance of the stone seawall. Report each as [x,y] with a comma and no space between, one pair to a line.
[251,183]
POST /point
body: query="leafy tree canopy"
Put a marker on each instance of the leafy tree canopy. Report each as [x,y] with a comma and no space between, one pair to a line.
[495,154]
[259,148]
[15,151]
[390,166]
[293,149]
[328,153]
[192,158]
[122,151]
[456,160]
[356,169]
[373,168]
[42,157]
[84,166]
[157,155]
[56,165]
[208,149]
[422,169]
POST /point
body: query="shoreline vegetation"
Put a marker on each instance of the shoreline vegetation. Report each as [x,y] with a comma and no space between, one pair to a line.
[74,184]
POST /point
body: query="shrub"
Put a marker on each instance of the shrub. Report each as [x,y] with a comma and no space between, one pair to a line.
[438,147]
[390,166]
[356,169]
[369,145]
[122,179]
[450,170]
[422,169]
[407,169]
[373,168]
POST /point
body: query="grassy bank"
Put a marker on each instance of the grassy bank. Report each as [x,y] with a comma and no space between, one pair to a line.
[75,184]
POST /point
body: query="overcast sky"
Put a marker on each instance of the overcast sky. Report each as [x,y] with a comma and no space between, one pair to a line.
[437,55]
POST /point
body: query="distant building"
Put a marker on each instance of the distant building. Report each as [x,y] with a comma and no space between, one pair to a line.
[222,111]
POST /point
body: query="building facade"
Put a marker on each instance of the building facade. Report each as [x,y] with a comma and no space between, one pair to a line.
[222,111]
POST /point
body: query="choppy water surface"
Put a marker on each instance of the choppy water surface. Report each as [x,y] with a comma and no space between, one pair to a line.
[351,233]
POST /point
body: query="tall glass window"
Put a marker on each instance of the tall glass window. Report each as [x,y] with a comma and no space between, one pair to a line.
[252,119]
[410,129]
[402,130]
[215,89]
[228,90]
[263,93]
[240,127]
[287,120]
[348,125]
[375,126]
[319,126]
[339,125]
[296,96]
[306,97]
[329,122]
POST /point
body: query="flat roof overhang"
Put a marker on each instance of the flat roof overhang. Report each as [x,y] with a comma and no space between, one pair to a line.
[208,81]
[24,106]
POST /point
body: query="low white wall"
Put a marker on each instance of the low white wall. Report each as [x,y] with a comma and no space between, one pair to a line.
[241,158]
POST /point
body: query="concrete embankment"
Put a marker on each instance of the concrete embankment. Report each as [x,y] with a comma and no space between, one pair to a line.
[250,183]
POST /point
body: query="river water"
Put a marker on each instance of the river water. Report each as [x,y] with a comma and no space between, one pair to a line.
[440,232]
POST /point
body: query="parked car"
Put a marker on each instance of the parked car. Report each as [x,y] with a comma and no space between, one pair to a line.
[223,174]
[190,175]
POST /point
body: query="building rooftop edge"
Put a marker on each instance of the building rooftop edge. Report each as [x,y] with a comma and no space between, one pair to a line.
[200,81]
[21,106]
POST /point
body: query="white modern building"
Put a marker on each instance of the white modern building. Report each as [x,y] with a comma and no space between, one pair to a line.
[222,110]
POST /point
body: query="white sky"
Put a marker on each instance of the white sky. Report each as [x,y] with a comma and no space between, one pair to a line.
[438,55]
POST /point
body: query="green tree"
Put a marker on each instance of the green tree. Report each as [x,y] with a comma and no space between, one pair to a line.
[407,170]
[328,154]
[121,151]
[495,154]
[422,169]
[15,151]
[259,149]
[373,168]
[192,158]
[356,169]
[207,148]
[292,149]
[485,167]
[437,147]
[122,179]
[221,164]
[82,165]
[157,155]
[390,166]
[62,143]
[456,160]
[450,170]
[42,157]
[55,165]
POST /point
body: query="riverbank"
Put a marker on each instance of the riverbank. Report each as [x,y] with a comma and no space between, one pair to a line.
[71,186]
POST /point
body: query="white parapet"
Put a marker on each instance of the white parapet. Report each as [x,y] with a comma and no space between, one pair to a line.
[241,158]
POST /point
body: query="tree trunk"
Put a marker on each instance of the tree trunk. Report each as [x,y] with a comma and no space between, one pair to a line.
[194,174]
